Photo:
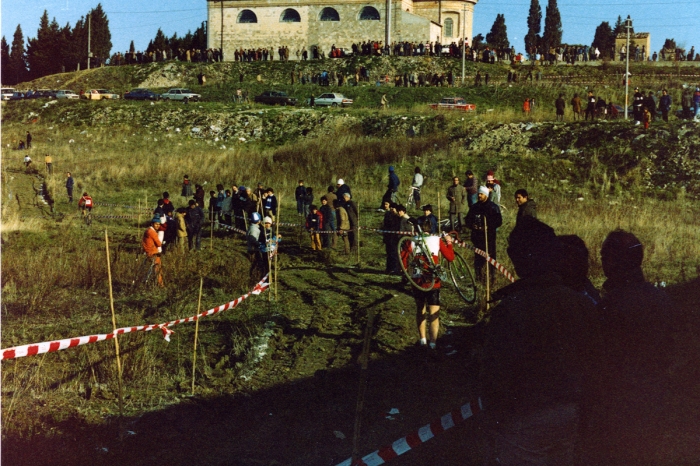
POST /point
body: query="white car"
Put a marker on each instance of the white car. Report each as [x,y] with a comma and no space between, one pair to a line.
[99,94]
[66,94]
[332,99]
[180,94]
[7,92]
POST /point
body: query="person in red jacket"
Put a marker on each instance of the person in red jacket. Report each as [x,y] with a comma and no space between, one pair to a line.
[85,205]
[152,247]
[428,300]
[314,223]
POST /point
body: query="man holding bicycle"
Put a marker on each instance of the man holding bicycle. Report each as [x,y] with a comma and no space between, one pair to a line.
[152,247]
[428,299]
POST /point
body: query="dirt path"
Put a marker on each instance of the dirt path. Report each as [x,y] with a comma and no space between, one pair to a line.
[298,406]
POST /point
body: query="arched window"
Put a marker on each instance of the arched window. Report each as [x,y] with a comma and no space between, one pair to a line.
[247,16]
[290,16]
[329,14]
[448,27]
[369,13]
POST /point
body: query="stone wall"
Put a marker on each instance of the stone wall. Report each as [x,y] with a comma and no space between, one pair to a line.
[411,21]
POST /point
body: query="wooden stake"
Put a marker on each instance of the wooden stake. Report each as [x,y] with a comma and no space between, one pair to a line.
[277,248]
[357,235]
[439,213]
[196,330]
[364,359]
[138,222]
[116,341]
[211,223]
[488,274]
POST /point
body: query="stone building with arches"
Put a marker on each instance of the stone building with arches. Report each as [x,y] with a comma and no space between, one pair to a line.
[235,24]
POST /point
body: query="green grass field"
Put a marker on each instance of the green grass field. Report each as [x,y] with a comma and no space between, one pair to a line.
[588,179]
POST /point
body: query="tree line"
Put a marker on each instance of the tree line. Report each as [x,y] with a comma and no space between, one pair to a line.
[57,49]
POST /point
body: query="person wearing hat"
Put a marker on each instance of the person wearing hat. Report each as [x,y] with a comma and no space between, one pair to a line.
[392,189]
[483,219]
[152,247]
[194,219]
[638,106]
[430,217]
[341,188]
[258,263]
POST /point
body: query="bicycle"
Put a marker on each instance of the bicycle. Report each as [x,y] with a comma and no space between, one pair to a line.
[411,201]
[87,216]
[145,274]
[422,272]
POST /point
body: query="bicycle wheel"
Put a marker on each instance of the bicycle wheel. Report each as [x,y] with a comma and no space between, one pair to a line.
[462,278]
[414,265]
[410,202]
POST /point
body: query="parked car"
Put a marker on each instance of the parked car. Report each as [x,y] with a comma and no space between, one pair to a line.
[99,94]
[182,94]
[17,95]
[7,92]
[275,98]
[454,103]
[66,94]
[141,94]
[332,99]
[40,94]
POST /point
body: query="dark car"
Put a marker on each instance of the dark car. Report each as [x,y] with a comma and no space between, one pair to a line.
[40,94]
[141,94]
[275,98]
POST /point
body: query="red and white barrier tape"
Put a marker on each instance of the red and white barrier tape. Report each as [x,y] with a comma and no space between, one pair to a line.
[57,345]
[489,259]
[417,437]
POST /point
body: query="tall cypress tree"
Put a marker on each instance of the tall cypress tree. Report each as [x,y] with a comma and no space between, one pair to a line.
[101,38]
[18,58]
[498,37]
[604,40]
[44,53]
[552,26]
[534,26]
[4,61]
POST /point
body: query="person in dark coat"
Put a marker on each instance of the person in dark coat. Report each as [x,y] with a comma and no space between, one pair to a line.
[650,104]
[540,347]
[526,206]
[341,189]
[391,240]
[432,219]
[483,219]
[392,188]
[638,326]
[69,186]
[299,194]
[194,219]
[353,216]
[199,195]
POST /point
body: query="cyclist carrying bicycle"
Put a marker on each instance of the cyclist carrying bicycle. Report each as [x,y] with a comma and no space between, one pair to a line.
[416,185]
[428,300]
[152,247]
[85,204]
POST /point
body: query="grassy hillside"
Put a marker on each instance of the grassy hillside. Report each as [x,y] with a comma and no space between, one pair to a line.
[587,178]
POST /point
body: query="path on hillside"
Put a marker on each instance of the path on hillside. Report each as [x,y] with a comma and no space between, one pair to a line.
[297,405]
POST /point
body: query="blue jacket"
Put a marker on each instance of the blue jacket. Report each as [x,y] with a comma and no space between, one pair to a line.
[393,182]
[271,204]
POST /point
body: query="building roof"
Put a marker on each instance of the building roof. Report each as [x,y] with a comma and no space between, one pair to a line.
[634,35]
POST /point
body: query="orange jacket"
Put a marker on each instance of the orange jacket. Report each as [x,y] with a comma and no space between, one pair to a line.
[150,242]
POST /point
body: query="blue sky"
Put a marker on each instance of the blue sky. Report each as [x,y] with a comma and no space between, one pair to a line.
[138,20]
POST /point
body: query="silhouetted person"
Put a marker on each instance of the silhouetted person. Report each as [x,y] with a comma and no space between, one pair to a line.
[638,326]
[573,266]
[541,341]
